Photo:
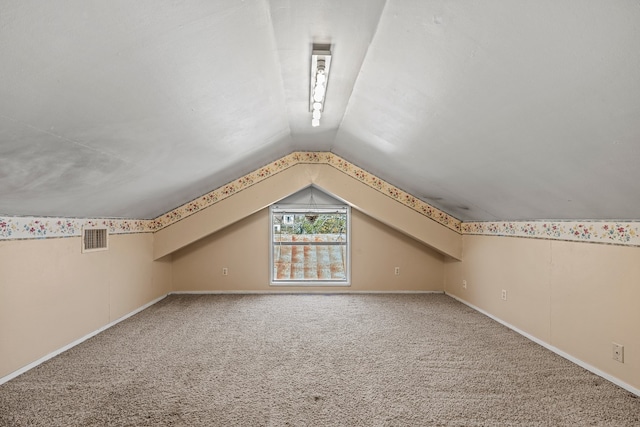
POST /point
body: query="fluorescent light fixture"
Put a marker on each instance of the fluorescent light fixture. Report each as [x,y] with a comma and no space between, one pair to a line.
[320,63]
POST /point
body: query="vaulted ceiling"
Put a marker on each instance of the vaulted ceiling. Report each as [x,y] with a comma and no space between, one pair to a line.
[488,110]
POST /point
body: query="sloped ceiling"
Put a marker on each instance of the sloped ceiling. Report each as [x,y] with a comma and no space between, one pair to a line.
[492,110]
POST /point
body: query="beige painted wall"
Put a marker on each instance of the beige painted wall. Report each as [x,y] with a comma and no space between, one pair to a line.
[278,186]
[51,294]
[243,248]
[577,297]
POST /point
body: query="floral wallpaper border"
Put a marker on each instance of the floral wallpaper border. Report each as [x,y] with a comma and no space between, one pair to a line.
[14,228]
[621,233]
[34,227]
[608,232]
[304,157]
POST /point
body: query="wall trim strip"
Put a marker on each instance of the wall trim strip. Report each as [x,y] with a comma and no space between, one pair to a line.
[625,233]
[299,292]
[556,350]
[80,340]
[29,227]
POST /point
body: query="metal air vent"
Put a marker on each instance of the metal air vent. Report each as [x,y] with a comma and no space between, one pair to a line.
[95,239]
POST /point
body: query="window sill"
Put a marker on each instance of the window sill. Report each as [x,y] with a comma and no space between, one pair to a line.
[310,284]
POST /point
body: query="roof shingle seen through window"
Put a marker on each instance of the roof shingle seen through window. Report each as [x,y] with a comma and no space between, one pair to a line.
[309,262]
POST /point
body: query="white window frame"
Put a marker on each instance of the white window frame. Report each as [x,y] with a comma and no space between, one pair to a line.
[275,209]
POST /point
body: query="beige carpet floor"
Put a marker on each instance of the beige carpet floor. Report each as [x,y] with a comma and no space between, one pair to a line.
[312,360]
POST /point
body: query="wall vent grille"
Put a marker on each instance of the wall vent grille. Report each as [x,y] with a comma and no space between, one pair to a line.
[94,239]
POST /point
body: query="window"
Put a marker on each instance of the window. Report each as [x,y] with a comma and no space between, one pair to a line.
[310,246]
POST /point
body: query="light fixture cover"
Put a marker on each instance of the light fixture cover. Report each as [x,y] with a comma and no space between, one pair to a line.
[320,65]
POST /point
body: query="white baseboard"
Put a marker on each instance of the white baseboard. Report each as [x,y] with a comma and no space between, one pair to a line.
[548,346]
[43,359]
[556,350]
[285,292]
[76,342]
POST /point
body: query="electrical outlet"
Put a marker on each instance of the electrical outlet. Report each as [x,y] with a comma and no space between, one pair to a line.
[464,284]
[504,295]
[618,352]
[397,271]
[225,271]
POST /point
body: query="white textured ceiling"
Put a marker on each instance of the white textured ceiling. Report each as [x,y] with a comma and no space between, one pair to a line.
[489,110]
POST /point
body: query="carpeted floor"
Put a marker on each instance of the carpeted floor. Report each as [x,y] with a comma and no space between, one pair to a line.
[312,360]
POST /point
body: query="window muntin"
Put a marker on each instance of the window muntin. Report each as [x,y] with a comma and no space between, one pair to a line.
[310,246]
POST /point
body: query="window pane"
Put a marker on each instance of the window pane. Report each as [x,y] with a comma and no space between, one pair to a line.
[309,262]
[309,246]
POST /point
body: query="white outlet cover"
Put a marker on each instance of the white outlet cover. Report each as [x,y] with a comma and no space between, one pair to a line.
[618,352]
